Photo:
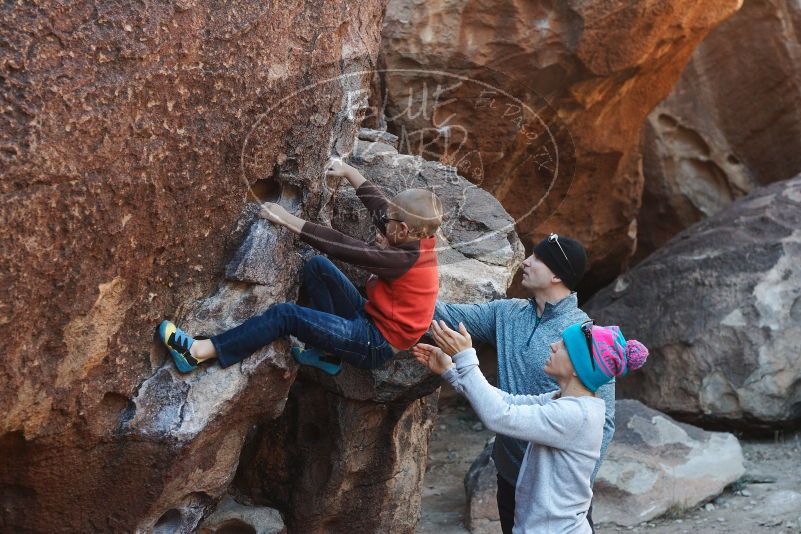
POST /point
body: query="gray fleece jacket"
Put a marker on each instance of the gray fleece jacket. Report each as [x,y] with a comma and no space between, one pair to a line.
[523,341]
[553,491]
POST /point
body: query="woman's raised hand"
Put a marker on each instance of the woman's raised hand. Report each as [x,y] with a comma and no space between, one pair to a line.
[432,357]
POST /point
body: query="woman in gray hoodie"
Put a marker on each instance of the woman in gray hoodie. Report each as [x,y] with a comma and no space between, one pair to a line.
[564,427]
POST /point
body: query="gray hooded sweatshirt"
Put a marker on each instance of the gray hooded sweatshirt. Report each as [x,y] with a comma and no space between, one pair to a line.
[523,341]
[553,491]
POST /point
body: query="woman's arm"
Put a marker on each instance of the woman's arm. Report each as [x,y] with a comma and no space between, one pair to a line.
[550,423]
[538,419]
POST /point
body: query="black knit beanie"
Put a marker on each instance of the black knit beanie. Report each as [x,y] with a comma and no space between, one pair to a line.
[570,269]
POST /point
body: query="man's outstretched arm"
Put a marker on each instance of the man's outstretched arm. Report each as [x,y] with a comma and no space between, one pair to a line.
[479,319]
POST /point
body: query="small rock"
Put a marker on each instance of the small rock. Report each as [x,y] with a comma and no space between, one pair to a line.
[478,427]
[745,493]
[709,507]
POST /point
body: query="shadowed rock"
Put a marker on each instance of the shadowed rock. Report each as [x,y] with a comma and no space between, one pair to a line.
[230,517]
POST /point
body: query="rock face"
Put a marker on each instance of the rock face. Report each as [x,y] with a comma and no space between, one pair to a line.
[541,103]
[653,463]
[731,123]
[348,454]
[133,137]
[719,307]
[656,463]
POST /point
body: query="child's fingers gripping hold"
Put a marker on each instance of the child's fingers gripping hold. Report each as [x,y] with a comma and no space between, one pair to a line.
[335,167]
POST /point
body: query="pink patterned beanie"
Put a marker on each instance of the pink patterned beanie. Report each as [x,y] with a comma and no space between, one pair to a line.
[612,355]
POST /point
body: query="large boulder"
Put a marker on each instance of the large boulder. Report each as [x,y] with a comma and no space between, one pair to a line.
[134,135]
[348,454]
[719,307]
[652,465]
[655,463]
[731,123]
[541,103]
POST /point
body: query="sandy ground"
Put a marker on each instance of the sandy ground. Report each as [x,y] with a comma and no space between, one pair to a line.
[759,503]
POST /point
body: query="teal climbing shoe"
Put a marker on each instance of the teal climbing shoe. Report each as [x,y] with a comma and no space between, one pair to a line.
[178,342]
[324,361]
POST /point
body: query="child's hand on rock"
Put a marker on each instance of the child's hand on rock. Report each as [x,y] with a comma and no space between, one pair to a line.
[273,212]
[432,357]
[336,167]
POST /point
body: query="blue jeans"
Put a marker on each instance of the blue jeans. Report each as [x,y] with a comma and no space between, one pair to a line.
[336,323]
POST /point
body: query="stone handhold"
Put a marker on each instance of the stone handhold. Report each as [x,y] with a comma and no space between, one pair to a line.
[655,463]
[542,103]
[480,487]
[719,307]
[378,136]
[729,125]
[230,517]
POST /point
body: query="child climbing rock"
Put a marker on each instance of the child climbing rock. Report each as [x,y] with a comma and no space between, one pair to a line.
[564,427]
[341,325]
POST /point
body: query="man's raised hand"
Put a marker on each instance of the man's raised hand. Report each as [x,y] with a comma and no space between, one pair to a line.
[450,340]
[432,357]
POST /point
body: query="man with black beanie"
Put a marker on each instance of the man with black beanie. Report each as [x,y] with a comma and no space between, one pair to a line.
[521,331]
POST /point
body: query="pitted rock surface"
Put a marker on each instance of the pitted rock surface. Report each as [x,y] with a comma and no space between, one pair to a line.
[719,307]
[134,138]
